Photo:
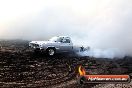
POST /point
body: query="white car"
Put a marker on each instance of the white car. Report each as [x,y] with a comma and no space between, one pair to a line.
[54,45]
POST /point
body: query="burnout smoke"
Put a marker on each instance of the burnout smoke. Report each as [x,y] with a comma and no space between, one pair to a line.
[101,24]
[106,53]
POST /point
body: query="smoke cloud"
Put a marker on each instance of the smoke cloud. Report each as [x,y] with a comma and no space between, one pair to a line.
[104,25]
[103,53]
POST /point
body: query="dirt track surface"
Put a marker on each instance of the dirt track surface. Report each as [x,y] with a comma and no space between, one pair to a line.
[21,67]
[27,69]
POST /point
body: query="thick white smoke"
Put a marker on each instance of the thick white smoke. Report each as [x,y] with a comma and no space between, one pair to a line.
[100,53]
[104,25]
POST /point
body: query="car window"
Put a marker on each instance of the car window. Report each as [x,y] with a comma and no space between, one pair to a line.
[56,39]
[66,41]
[60,40]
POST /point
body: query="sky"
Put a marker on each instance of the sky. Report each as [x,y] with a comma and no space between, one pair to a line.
[95,23]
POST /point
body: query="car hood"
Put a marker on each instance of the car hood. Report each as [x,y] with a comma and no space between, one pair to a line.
[40,42]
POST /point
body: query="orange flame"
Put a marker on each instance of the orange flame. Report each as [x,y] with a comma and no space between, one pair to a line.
[81,71]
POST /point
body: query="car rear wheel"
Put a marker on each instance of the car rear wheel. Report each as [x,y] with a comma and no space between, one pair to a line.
[51,51]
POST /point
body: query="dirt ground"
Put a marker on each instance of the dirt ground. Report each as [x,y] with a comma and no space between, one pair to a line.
[21,67]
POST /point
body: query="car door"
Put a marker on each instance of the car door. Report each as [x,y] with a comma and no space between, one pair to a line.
[66,45]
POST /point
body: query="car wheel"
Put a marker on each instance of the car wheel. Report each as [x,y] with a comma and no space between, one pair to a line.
[51,51]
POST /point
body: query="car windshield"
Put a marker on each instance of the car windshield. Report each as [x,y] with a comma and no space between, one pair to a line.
[54,39]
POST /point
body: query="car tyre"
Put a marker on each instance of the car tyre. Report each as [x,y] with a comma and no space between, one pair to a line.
[50,51]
